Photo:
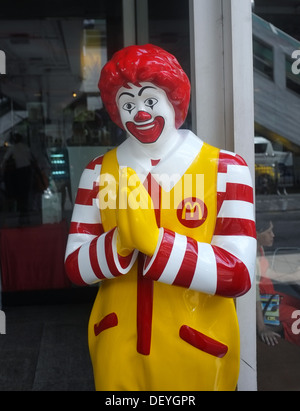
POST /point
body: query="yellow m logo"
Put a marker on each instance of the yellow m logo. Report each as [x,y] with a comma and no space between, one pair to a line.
[191,208]
[192,212]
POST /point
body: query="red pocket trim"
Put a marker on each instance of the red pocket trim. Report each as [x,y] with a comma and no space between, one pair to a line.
[109,321]
[202,342]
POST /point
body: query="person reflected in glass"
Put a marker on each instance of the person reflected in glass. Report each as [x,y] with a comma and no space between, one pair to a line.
[17,174]
[266,277]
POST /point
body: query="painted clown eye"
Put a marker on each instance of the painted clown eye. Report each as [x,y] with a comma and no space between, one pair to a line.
[150,102]
[129,107]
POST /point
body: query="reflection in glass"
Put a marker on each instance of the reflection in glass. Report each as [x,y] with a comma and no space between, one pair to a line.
[292,75]
[277,178]
[263,57]
[50,97]
[278,292]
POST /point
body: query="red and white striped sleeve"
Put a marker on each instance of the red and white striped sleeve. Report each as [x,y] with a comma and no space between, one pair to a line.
[225,266]
[91,254]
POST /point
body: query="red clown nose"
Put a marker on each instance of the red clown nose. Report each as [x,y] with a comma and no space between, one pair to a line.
[142,116]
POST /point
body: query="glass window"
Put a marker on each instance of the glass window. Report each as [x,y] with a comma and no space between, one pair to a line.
[169,29]
[292,75]
[277,161]
[260,148]
[263,57]
[52,124]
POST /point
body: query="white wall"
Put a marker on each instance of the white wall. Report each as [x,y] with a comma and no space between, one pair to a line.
[223,114]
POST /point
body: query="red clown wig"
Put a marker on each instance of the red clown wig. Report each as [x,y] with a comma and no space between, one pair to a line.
[148,63]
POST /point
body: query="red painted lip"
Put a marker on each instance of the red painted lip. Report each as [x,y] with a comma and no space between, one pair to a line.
[147,133]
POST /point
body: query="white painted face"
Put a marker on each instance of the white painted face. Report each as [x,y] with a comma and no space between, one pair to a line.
[146,112]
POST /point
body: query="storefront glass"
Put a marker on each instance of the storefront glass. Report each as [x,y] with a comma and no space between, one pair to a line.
[277,160]
[52,123]
[169,28]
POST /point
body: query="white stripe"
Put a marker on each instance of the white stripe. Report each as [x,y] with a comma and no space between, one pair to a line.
[242,247]
[236,209]
[89,214]
[88,177]
[84,264]
[221,183]
[239,175]
[175,260]
[205,277]
[77,240]
[228,152]
[101,255]
[235,174]
[116,259]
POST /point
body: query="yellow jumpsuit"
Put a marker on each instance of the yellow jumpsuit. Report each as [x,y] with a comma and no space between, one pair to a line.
[138,312]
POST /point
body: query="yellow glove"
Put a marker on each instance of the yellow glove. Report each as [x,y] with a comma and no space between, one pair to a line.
[136,222]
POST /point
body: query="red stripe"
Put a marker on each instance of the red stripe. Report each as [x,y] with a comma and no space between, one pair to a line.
[186,272]
[144,284]
[144,309]
[72,268]
[94,259]
[235,226]
[96,162]
[157,206]
[125,261]
[154,191]
[220,199]
[109,321]
[85,228]
[203,342]
[240,192]
[165,248]
[226,159]
[232,274]
[109,253]
[154,162]
[86,196]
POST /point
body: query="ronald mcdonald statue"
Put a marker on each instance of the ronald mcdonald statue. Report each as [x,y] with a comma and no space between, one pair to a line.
[165,223]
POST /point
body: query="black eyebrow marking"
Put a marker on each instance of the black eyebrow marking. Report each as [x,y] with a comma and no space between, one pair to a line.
[125,92]
[142,89]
